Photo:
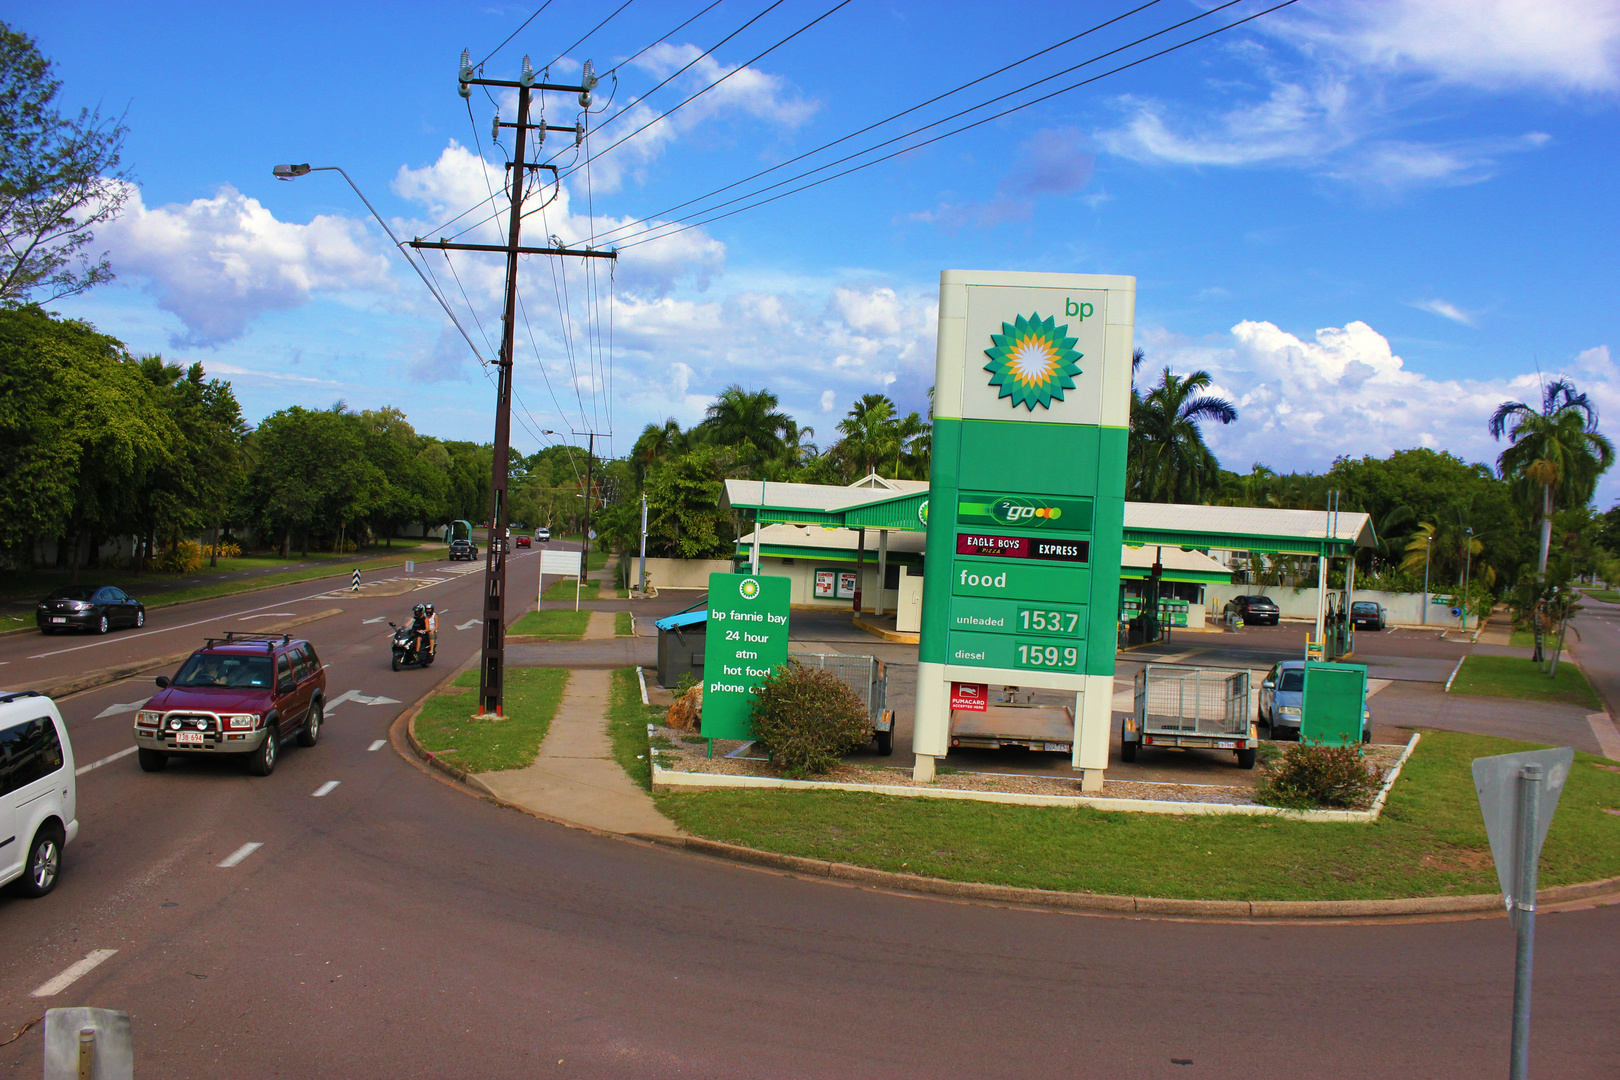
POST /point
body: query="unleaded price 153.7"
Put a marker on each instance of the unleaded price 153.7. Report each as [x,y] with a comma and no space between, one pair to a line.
[1056,657]
[1051,622]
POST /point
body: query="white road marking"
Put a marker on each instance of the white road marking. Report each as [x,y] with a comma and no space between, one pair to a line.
[368,622]
[347,695]
[167,629]
[468,623]
[379,700]
[326,788]
[73,973]
[378,745]
[267,615]
[125,752]
[114,710]
[239,854]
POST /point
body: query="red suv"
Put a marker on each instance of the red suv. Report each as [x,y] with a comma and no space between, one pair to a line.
[240,694]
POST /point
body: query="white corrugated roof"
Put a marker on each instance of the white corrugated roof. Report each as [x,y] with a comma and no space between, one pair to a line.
[746,493]
[1171,558]
[1248,521]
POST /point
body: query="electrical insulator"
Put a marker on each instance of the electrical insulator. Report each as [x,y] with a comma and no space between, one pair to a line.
[495,127]
[466,74]
[579,133]
[527,78]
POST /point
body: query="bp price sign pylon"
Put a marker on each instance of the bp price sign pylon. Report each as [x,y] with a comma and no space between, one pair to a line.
[1026,500]
[745,640]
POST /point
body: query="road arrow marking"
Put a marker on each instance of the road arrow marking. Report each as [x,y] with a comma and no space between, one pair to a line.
[368,622]
[362,699]
[468,623]
[347,695]
[114,710]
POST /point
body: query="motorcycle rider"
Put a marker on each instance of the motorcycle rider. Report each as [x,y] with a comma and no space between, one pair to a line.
[430,626]
[419,629]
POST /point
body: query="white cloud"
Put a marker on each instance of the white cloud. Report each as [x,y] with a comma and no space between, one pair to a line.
[1560,46]
[1445,310]
[219,263]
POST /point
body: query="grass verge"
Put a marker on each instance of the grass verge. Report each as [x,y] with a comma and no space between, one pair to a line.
[553,625]
[1515,677]
[1526,639]
[1608,596]
[564,590]
[1429,842]
[627,727]
[532,695]
[624,624]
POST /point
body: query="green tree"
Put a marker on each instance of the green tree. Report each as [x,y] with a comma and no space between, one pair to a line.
[749,423]
[684,519]
[1556,454]
[59,178]
[1168,460]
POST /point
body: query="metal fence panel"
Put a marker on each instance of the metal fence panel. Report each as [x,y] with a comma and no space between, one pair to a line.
[1191,701]
[867,676]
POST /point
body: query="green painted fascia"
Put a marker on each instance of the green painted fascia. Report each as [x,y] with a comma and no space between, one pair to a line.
[1284,545]
[745,551]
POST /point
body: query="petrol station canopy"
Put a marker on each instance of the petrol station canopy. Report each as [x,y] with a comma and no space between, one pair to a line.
[900,505]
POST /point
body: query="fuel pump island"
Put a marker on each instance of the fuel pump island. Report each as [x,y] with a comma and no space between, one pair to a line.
[1026,505]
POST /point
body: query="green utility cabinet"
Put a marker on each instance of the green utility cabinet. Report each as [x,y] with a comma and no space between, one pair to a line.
[1026,506]
[1335,704]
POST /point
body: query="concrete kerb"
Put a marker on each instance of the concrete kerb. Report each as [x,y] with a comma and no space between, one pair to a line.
[90,680]
[1090,903]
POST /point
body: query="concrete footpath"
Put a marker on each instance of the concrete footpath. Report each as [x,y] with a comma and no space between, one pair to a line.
[575,778]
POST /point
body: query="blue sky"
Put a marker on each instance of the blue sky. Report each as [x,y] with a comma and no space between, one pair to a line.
[1371,222]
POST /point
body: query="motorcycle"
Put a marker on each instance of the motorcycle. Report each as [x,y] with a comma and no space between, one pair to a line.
[405,651]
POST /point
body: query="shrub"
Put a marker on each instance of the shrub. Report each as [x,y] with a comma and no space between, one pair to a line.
[806,718]
[1309,776]
[183,557]
[228,549]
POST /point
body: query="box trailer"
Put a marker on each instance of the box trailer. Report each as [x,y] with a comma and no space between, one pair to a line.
[1190,708]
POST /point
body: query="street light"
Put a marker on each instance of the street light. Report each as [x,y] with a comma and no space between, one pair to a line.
[292,172]
[1468,565]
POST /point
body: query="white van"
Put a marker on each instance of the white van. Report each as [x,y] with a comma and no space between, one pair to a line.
[38,793]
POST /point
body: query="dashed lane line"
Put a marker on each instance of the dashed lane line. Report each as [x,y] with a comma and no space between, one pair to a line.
[239,854]
[378,745]
[326,788]
[125,752]
[73,973]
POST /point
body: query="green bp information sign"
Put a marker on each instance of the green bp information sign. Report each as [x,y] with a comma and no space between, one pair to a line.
[746,639]
[1027,503]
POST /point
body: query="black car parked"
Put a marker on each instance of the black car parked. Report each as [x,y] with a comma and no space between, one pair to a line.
[1257,609]
[88,607]
[1367,615]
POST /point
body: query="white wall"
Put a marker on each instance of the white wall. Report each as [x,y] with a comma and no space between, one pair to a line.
[683,573]
[1405,609]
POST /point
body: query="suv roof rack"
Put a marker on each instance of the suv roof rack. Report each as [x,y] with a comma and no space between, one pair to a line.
[238,637]
[8,696]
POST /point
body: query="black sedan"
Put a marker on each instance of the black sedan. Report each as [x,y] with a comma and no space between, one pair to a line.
[1257,609]
[88,607]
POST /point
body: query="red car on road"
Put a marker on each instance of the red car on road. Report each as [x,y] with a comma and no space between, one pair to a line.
[240,694]
[523,541]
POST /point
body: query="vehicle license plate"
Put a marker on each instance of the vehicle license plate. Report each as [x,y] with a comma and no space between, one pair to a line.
[1225,745]
[57,618]
[1061,748]
[189,738]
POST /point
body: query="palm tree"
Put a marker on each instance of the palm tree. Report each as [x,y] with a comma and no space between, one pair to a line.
[657,443]
[869,432]
[748,421]
[1168,460]
[1556,454]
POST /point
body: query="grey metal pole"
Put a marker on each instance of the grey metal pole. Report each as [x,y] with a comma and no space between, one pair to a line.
[1423,615]
[1531,780]
[644,543]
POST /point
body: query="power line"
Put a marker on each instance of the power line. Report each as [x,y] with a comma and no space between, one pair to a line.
[591,31]
[514,33]
[928,142]
[742,67]
[895,116]
[666,37]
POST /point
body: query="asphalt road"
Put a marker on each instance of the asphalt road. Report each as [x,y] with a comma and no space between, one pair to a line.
[396,927]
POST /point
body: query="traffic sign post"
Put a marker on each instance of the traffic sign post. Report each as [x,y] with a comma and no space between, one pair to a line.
[1026,499]
[1518,794]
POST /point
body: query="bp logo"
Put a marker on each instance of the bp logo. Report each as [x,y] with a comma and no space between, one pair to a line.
[1033,361]
[922,513]
[749,588]
[1010,511]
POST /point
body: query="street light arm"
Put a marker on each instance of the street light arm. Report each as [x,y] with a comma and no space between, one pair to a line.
[288,172]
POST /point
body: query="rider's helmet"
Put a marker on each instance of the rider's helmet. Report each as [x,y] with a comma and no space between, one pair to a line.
[417,611]
[429,608]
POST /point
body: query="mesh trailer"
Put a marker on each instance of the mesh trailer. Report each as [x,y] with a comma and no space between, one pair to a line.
[1191,708]
[868,677]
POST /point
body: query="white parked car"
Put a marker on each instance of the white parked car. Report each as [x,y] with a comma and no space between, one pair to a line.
[38,792]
